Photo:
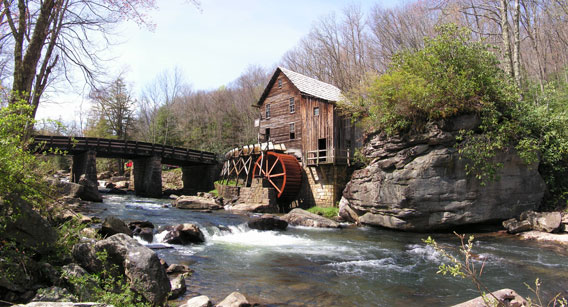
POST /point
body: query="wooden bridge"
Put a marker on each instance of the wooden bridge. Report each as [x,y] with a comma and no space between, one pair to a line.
[198,167]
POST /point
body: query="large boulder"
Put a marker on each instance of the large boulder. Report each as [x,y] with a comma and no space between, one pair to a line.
[183,234]
[419,183]
[197,203]
[300,217]
[90,190]
[78,281]
[267,222]
[66,188]
[138,263]
[29,228]
[113,225]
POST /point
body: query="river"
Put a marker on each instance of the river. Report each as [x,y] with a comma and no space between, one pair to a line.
[342,267]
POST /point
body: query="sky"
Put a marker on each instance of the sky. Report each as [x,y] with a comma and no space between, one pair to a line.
[212,45]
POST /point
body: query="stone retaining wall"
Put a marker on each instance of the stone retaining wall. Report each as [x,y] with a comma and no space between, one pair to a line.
[258,193]
[228,192]
[323,185]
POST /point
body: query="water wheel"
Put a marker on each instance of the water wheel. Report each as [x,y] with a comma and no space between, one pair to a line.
[282,171]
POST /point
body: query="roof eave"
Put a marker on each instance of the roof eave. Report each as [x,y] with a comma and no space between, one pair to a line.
[269,86]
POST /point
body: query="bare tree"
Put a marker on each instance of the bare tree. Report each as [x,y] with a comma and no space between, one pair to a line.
[335,50]
[157,103]
[47,35]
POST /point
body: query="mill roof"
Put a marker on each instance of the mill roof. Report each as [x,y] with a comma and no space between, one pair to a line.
[306,85]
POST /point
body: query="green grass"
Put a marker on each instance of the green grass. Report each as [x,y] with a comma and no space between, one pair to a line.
[231,182]
[327,212]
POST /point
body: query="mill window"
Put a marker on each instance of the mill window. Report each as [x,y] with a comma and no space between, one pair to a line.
[292,131]
[267,111]
[292,105]
[279,83]
[316,111]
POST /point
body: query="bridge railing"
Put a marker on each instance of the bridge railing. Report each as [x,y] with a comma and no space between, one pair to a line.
[120,147]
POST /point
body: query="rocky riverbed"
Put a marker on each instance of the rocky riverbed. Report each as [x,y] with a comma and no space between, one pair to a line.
[333,267]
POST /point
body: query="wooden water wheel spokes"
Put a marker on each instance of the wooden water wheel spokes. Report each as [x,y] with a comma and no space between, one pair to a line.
[282,171]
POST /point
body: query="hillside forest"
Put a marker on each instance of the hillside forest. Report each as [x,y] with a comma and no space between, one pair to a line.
[529,37]
[358,50]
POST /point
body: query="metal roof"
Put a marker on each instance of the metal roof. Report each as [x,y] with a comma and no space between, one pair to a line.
[306,85]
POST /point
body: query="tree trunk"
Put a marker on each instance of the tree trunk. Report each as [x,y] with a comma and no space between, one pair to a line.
[508,63]
[516,44]
[25,68]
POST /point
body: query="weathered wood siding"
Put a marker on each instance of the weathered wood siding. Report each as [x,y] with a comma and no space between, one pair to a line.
[280,116]
[346,137]
[339,133]
[316,127]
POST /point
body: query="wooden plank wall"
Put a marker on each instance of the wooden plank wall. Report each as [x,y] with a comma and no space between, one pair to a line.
[280,116]
[337,130]
[316,127]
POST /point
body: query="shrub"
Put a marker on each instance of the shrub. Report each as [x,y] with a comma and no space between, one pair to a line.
[451,75]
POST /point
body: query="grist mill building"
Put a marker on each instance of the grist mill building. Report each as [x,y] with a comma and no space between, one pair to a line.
[301,113]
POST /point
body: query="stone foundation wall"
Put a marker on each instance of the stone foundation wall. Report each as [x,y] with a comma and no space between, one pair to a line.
[323,185]
[228,192]
[258,193]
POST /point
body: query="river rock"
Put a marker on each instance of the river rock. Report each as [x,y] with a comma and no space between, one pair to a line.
[196,203]
[234,299]
[177,269]
[183,234]
[104,175]
[178,286]
[543,221]
[90,191]
[346,212]
[198,301]
[419,183]
[267,222]
[515,226]
[507,296]
[300,217]
[66,188]
[29,228]
[254,207]
[113,225]
[539,221]
[121,185]
[54,294]
[86,288]
[545,237]
[138,263]
[64,304]
[143,229]
[118,178]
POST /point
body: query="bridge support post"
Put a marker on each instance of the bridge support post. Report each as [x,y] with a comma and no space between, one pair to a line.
[199,178]
[148,176]
[84,164]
